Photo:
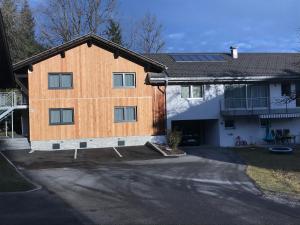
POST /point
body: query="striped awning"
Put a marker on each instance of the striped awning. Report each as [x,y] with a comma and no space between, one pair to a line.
[279,116]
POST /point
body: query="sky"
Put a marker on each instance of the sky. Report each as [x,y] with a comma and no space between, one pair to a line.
[215,25]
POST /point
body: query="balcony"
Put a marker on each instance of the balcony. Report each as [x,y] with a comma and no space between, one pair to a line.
[12,99]
[258,106]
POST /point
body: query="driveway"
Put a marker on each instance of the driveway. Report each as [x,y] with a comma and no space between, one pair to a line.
[209,186]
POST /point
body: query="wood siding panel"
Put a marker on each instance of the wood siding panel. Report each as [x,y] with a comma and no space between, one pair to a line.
[92,97]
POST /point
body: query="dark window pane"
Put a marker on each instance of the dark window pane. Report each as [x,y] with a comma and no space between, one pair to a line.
[67,116]
[55,117]
[118,80]
[285,89]
[66,81]
[229,124]
[53,81]
[119,114]
[129,80]
[130,114]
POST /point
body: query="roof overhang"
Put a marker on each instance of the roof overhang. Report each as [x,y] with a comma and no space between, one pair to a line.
[91,39]
[215,80]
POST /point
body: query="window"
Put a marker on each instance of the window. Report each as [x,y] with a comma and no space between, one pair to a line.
[229,124]
[192,91]
[60,80]
[125,114]
[264,123]
[285,89]
[123,80]
[61,116]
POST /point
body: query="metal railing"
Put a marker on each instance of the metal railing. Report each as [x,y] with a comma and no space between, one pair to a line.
[259,105]
[11,99]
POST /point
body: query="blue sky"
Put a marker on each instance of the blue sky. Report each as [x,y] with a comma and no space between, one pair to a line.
[215,25]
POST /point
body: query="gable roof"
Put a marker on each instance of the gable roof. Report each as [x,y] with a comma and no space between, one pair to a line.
[6,74]
[251,66]
[91,39]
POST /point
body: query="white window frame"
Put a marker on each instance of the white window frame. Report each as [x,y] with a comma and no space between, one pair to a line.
[191,92]
[123,79]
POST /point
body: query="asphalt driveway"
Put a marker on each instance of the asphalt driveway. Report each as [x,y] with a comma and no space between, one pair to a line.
[208,186]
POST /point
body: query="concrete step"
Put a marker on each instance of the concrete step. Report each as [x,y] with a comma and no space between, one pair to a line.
[14,144]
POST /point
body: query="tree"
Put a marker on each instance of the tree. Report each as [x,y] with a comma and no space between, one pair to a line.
[10,17]
[27,32]
[20,29]
[63,20]
[147,35]
[113,32]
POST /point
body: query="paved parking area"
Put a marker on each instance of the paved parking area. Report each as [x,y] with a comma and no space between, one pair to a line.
[86,158]
[209,186]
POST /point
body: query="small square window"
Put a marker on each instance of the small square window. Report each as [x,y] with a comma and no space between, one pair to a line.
[229,124]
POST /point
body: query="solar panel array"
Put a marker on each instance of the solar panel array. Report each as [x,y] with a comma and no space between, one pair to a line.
[197,57]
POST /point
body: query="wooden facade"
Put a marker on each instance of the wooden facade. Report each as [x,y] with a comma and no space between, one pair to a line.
[92,97]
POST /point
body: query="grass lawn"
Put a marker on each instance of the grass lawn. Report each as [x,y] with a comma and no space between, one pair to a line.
[10,180]
[273,172]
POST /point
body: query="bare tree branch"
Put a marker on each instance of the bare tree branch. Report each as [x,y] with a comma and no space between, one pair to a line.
[62,20]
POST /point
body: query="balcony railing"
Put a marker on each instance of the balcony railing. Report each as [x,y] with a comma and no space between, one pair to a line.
[12,99]
[258,106]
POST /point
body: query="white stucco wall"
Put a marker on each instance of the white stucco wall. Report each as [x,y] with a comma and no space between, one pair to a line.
[193,109]
[208,108]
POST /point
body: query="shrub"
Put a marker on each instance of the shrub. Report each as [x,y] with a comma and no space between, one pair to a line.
[173,138]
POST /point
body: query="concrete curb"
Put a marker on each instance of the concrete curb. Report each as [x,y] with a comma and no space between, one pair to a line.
[37,187]
[155,147]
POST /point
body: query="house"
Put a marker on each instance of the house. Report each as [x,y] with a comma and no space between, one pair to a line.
[227,99]
[90,93]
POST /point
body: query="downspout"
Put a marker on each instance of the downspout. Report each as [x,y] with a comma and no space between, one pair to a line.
[166,115]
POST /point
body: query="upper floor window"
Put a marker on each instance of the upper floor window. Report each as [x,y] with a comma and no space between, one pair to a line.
[61,116]
[285,89]
[60,80]
[125,114]
[124,80]
[192,91]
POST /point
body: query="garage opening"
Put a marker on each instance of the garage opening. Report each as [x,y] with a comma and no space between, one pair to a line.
[197,132]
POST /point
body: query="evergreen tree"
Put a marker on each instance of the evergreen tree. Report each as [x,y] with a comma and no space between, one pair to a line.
[27,30]
[10,17]
[113,32]
[19,26]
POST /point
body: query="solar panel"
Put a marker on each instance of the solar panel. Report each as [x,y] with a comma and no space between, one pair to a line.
[195,57]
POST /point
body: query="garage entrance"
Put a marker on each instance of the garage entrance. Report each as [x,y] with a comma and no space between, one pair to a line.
[197,132]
